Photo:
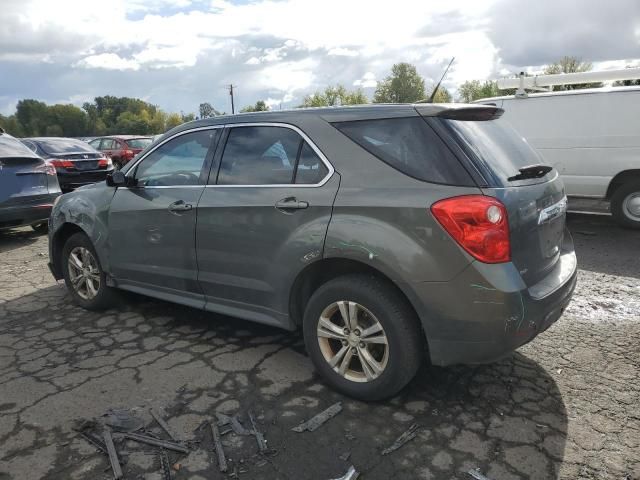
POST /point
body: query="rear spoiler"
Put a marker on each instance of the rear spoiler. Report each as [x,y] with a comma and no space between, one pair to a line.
[463,112]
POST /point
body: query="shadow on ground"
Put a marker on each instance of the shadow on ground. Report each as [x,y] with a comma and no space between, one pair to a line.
[60,364]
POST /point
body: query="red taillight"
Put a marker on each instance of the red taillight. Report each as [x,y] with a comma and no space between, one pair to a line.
[478,223]
[61,163]
[104,162]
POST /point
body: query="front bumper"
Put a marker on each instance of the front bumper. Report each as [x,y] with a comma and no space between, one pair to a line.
[487,312]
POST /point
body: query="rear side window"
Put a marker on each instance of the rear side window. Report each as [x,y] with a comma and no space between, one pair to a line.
[498,147]
[266,155]
[56,146]
[409,145]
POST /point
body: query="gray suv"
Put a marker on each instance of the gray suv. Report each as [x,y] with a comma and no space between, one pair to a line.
[389,234]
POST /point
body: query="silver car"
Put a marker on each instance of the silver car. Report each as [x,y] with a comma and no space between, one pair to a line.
[390,234]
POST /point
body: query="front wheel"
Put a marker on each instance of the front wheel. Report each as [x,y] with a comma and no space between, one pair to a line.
[363,337]
[84,276]
[625,205]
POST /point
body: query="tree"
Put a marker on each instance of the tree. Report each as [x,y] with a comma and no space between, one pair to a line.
[173,120]
[71,120]
[206,110]
[11,125]
[570,65]
[332,96]
[404,85]
[32,115]
[474,89]
[260,106]
[189,117]
[442,95]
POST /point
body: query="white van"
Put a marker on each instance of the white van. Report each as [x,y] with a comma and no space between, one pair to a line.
[591,136]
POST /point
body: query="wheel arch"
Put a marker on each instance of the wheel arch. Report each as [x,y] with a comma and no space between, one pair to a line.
[58,239]
[322,271]
[620,179]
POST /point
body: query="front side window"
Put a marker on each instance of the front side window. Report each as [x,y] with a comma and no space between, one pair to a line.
[259,156]
[108,144]
[177,162]
[95,143]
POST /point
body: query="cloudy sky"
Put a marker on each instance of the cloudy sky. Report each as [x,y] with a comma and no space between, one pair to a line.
[178,53]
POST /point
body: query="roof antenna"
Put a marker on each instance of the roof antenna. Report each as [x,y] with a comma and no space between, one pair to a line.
[435,90]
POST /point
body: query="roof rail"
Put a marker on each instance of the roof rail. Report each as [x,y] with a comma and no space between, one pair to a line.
[539,82]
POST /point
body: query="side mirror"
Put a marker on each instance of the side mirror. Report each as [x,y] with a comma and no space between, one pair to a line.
[116,179]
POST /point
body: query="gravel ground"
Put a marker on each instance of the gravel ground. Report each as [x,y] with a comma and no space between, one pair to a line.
[564,406]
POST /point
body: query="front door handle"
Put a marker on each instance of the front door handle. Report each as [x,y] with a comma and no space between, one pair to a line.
[179,206]
[291,203]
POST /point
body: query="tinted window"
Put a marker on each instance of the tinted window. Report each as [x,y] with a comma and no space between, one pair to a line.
[139,142]
[310,168]
[259,156]
[177,162]
[409,145]
[496,144]
[64,145]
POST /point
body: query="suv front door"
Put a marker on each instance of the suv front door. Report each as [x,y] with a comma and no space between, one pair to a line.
[152,223]
[262,219]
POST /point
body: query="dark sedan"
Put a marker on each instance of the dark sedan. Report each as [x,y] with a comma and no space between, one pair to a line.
[28,186]
[76,162]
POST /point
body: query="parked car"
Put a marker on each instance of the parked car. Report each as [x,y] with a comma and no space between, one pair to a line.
[121,148]
[591,136]
[76,162]
[28,186]
[386,233]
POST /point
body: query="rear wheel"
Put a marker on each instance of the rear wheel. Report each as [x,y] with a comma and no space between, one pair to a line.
[84,276]
[625,205]
[42,227]
[363,337]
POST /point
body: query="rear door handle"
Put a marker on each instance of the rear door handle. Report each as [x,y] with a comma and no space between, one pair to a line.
[291,203]
[179,206]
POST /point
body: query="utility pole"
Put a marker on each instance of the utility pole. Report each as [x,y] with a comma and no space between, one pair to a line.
[233,110]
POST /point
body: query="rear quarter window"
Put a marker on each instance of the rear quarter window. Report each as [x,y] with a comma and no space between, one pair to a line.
[409,145]
[496,146]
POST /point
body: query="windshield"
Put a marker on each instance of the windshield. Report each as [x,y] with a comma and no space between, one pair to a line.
[55,146]
[496,145]
[139,142]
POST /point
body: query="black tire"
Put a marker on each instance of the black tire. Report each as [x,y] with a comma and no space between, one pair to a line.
[41,228]
[620,213]
[405,341]
[105,297]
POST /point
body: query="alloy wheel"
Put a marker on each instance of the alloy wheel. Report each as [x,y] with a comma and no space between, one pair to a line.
[84,272]
[353,341]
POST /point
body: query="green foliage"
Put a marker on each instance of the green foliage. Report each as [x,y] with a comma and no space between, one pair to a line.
[404,85]
[442,95]
[260,106]
[335,95]
[474,90]
[570,65]
[105,115]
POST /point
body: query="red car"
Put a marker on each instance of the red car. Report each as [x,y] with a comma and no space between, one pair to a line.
[121,148]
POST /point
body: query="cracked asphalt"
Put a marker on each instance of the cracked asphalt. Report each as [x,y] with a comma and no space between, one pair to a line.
[564,406]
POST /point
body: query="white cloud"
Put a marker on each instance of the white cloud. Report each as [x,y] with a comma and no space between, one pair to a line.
[343,52]
[108,61]
[368,80]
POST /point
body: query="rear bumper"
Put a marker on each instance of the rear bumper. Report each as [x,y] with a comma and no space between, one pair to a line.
[487,311]
[72,180]
[28,211]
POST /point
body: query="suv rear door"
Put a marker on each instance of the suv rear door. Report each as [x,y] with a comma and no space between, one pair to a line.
[261,219]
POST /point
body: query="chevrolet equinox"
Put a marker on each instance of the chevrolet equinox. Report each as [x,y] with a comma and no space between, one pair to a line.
[388,233]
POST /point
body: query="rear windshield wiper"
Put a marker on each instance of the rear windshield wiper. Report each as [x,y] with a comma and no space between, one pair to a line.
[531,171]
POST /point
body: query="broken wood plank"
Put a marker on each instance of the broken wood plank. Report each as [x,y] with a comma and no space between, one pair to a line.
[316,421]
[164,425]
[217,444]
[156,442]
[113,455]
[410,434]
